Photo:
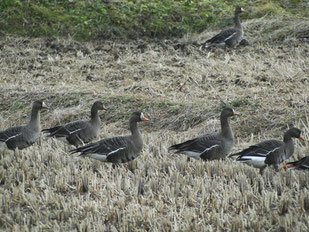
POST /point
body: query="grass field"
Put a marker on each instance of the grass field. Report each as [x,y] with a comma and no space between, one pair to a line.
[182,89]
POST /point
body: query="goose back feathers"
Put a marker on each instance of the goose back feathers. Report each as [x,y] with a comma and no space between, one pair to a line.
[78,132]
[120,149]
[24,136]
[210,146]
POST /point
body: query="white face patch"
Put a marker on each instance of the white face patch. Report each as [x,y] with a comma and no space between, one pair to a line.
[142,116]
[44,105]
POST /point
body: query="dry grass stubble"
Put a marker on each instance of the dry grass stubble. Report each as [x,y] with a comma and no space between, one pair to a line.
[182,91]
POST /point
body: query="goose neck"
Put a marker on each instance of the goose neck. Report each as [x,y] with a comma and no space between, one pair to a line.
[287,138]
[95,118]
[237,20]
[35,118]
[225,127]
[133,126]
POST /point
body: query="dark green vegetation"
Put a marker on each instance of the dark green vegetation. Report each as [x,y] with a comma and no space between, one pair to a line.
[93,19]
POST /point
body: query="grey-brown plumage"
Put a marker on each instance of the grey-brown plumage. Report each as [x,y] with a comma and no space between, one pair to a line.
[78,132]
[270,152]
[302,164]
[24,136]
[120,149]
[230,36]
[210,146]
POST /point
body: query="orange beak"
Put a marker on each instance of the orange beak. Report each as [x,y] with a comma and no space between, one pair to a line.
[236,113]
[286,167]
[144,118]
[302,138]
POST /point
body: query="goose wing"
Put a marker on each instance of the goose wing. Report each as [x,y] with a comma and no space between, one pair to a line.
[67,129]
[15,137]
[223,36]
[262,149]
[115,150]
[277,156]
[205,147]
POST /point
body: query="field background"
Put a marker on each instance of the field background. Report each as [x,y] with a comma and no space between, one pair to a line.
[182,89]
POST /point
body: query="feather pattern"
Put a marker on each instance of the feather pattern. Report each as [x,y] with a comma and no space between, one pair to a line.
[270,152]
[230,36]
[302,164]
[119,149]
[23,136]
[78,132]
[210,146]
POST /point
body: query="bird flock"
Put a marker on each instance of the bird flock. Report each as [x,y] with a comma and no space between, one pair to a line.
[122,149]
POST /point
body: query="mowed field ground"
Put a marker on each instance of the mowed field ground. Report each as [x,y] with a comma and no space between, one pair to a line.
[182,89]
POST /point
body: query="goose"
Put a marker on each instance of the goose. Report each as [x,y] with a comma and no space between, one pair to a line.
[78,132]
[269,152]
[305,39]
[24,136]
[210,146]
[230,36]
[119,149]
[302,164]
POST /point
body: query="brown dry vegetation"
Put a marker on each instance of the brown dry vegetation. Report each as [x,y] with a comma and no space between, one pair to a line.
[182,91]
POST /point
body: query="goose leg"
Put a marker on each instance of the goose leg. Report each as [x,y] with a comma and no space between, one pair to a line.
[16,154]
[115,165]
[262,171]
[276,167]
[2,153]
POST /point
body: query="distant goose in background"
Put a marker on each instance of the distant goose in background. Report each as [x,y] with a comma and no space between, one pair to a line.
[120,149]
[270,152]
[24,136]
[230,36]
[210,146]
[302,164]
[78,132]
[305,39]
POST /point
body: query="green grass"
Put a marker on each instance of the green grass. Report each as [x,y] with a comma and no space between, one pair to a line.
[88,20]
